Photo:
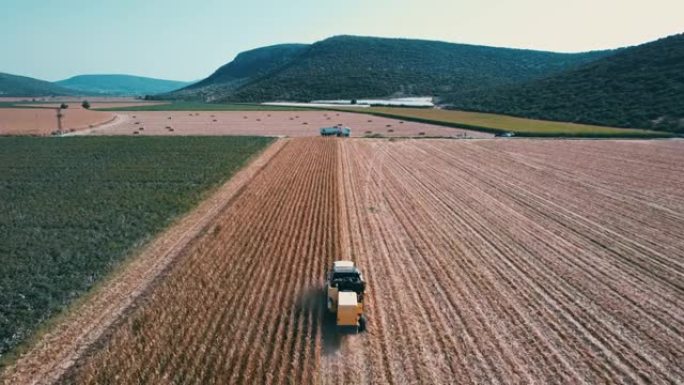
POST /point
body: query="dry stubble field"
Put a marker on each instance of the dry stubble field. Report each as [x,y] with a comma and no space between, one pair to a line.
[271,123]
[40,119]
[487,261]
[43,121]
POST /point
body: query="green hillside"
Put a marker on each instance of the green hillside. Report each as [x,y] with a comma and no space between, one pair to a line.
[247,66]
[356,67]
[640,86]
[14,85]
[120,85]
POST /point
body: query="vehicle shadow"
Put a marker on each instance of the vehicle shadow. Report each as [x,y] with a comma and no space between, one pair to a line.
[313,302]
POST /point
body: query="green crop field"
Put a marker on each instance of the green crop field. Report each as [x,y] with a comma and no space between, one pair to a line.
[73,208]
[186,106]
[502,123]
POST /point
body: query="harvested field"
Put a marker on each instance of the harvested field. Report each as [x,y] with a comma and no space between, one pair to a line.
[272,123]
[526,262]
[521,261]
[43,121]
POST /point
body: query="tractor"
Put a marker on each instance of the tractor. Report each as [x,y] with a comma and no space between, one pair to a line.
[338,130]
[344,288]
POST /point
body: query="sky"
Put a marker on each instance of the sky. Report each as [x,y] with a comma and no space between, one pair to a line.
[188,40]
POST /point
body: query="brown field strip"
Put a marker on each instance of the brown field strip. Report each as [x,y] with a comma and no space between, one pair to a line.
[493,261]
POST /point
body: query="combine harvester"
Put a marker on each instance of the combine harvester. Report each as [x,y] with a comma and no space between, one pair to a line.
[336,131]
[344,288]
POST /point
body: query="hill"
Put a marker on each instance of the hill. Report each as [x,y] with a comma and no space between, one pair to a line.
[641,86]
[247,65]
[360,67]
[120,85]
[15,85]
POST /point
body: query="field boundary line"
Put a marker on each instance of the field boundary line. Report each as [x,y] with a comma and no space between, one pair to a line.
[55,352]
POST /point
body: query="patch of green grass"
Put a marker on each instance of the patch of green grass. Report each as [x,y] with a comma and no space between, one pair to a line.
[74,208]
[495,123]
[187,106]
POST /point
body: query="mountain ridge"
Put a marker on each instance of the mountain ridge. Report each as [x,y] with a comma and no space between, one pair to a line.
[23,86]
[348,67]
[119,85]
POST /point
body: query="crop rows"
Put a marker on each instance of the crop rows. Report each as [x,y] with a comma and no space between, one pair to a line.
[243,306]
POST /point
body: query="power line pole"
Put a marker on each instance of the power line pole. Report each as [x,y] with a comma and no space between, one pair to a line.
[59,121]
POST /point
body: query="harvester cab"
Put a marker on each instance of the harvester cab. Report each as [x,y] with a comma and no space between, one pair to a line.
[344,289]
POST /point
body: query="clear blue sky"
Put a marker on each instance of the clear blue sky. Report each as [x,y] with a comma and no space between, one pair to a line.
[187,40]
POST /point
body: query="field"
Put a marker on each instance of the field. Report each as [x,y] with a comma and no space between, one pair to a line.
[487,261]
[502,123]
[72,209]
[270,123]
[517,261]
[43,121]
[21,117]
[37,119]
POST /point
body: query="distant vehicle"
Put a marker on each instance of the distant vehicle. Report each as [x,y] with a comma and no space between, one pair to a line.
[505,134]
[344,289]
[336,131]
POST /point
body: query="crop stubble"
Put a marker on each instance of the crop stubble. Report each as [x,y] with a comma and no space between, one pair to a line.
[487,262]
[518,261]
[244,304]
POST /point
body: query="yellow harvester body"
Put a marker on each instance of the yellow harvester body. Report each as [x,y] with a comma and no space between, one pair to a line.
[345,289]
